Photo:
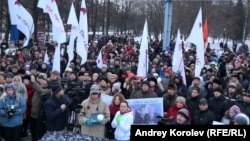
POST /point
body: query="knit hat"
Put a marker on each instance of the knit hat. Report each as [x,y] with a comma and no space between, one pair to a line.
[95,89]
[235,109]
[145,82]
[9,75]
[184,112]
[241,119]
[55,87]
[233,85]
[181,99]
[203,101]
[10,86]
[117,85]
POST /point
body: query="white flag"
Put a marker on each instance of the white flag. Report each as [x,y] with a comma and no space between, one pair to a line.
[142,69]
[21,17]
[50,7]
[46,58]
[56,60]
[82,38]
[196,37]
[72,19]
[177,62]
[99,60]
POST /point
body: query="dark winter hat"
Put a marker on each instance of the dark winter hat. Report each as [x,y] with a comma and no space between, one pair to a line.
[203,101]
[26,77]
[145,82]
[172,86]
[217,81]
[218,90]
[55,87]
[184,112]
[95,89]
[9,75]
[196,88]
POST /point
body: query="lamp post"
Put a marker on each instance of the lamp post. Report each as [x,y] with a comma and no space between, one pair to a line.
[167,25]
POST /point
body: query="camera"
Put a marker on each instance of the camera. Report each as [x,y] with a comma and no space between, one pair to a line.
[11,112]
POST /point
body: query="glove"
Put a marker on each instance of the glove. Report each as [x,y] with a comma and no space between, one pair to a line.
[118,119]
[89,122]
[98,121]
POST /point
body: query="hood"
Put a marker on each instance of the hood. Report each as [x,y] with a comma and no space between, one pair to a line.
[18,77]
[128,111]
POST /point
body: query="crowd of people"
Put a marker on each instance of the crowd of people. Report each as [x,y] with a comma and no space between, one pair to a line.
[36,99]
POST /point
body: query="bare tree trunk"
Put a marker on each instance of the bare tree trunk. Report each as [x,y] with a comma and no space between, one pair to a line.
[246,22]
[107,17]
[35,18]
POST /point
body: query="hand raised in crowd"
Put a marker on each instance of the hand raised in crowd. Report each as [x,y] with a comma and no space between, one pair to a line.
[32,78]
[63,107]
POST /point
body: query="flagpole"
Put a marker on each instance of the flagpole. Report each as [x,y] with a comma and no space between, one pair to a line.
[167,25]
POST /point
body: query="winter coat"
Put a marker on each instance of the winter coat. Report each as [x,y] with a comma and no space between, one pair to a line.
[19,108]
[122,131]
[56,119]
[37,99]
[88,107]
[205,117]
[218,106]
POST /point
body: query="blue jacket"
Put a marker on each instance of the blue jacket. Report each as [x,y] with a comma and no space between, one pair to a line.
[56,119]
[19,107]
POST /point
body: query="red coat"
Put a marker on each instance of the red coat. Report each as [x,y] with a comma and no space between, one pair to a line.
[173,111]
[30,92]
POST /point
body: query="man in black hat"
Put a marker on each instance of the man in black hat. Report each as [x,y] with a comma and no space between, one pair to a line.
[244,105]
[203,116]
[169,96]
[56,109]
[218,104]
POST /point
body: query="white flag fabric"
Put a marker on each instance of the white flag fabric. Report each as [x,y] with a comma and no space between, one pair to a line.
[21,17]
[56,60]
[142,69]
[50,7]
[99,60]
[82,38]
[196,37]
[46,58]
[177,62]
[72,19]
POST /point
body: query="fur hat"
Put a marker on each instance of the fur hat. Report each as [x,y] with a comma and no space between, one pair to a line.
[181,99]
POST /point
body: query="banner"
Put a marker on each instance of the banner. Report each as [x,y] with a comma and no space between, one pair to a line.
[107,98]
[145,110]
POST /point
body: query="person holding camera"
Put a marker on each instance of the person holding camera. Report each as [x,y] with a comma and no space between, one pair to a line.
[12,108]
